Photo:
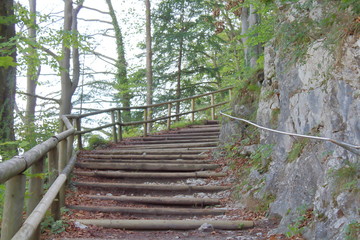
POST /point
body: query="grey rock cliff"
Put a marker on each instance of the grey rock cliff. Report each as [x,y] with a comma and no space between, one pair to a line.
[320,96]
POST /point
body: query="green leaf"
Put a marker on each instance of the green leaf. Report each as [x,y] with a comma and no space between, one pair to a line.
[7,61]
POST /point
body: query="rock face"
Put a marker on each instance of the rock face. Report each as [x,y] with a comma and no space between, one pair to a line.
[317,99]
[320,96]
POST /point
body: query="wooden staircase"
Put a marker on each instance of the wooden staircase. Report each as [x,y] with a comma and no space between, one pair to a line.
[165,181]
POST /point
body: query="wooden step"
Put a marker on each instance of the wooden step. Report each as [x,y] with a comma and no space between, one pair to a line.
[148,166]
[196,130]
[161,161]
[152,187]
[150,211]
[175,137]
[152,175]
[167,224]
[172,141]
[156,146]
[182,151]
[160,200]
[153,156]
[174,133]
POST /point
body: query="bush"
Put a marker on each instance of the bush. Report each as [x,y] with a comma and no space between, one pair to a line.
[96,141]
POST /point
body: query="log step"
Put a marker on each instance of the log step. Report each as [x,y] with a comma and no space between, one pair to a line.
[151,211]
[152,187]
[121,174]
[148,166]
[180,151]
[156,146]
[160,200]
[161,161]
[152,156]
[196,130]
[163,141]
[175,137]
[177,134]
[166,224]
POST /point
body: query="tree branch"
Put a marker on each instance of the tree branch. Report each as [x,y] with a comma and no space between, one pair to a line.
[40,97]
[95,20]
[96,10]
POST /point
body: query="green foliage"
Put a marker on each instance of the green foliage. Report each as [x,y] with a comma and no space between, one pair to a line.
[337,21]
[56,227]
[261,158]
[264,204]
[185,123]
[96,141]
[133,132]
[347,177]
[274,117]
[304,215]
[352,231]
[7,61]
[297,149]
[2,198]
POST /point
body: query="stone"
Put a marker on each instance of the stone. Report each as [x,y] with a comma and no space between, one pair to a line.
[206,227]
[80,225]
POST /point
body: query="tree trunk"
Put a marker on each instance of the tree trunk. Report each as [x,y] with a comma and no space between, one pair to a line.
[7,78]
[149,74]
[66,86]
[249,18]
[121,75]
[33,71]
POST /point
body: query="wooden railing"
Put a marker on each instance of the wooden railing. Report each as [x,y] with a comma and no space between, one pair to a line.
[58,150]
[117,124]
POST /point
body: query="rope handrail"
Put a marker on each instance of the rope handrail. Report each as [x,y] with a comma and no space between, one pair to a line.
[350,147]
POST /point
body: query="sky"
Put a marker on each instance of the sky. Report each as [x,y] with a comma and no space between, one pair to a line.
[131,16]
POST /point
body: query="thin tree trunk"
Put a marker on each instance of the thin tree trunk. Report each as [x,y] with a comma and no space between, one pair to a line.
[7,78]
[66,88]
[249,18]
[33,72]
[121,75]
[149,74]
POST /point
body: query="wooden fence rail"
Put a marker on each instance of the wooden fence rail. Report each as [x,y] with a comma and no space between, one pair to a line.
[117,124]
[58,151]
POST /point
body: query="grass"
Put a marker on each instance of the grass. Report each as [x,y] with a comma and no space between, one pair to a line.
[346,178]
[297,149]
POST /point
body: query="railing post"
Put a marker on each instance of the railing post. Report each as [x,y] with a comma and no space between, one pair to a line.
[114,126]
[53,170]
[35,190]
[120,125]
[145,119]
[192,109]
[78,128]
[169,117]
[70,147]
[213,108]
[230,94]
[62,164]
[13,206]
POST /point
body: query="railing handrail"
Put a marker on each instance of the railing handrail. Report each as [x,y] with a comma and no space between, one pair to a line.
[147,108]
[75,116]
[350,147]
[19,164]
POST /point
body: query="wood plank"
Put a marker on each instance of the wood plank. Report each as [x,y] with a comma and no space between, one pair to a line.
[151,211]
[149,166]
[160,200]
[152,187]
[122,174]
[167,224]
